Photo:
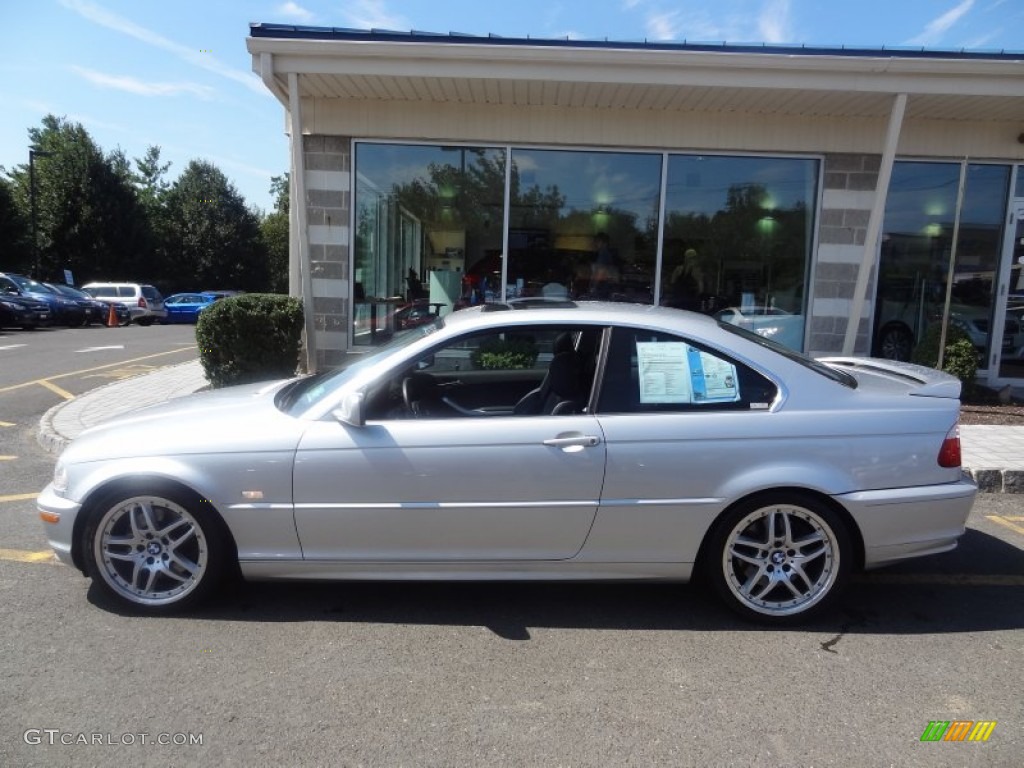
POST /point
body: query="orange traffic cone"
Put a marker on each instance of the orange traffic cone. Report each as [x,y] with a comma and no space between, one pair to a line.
[112,317]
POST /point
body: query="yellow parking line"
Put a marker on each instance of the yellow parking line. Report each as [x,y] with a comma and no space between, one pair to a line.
[19,497]
[8,458]
[90,370]
[7,424]
[1015,518]
[55,389]
[23,556]
[1004,521]
[944,579]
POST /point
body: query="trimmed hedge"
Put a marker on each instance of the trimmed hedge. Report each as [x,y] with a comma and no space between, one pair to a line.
[960,359]
[250,337]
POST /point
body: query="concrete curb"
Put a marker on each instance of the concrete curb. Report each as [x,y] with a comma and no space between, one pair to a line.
[998,480]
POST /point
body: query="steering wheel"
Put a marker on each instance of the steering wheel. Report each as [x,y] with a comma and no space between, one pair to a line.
[416,390]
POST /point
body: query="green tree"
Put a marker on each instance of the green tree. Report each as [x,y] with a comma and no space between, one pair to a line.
[275,235]
[149,176]
[209,233]
[15,247]
[89,217]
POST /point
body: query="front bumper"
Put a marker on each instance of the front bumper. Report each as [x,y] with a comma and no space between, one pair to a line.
[901,523]
[59,535]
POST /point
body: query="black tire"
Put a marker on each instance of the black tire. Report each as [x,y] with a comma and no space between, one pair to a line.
[145,321]
[780,557]
[157,552]
[896,342]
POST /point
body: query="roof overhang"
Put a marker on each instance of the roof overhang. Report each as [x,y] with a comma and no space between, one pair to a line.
[524,73]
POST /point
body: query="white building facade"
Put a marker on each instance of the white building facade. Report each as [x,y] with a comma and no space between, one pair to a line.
[788,189]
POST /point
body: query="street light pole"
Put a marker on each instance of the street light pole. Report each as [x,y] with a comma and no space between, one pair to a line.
[32,155]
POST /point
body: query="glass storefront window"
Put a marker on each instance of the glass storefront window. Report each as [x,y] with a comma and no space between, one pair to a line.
[738,236]
[428,233]
[583,224]
[916,245]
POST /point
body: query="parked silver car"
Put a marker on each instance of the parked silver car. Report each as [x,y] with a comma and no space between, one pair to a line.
[563,441]
[144,302]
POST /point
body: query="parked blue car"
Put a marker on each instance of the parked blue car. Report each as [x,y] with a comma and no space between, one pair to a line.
[63,311]
[185,307]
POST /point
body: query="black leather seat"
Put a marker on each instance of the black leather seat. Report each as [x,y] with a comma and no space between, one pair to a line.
[559,393]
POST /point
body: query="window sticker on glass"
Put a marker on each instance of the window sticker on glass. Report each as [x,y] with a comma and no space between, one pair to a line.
[675,372]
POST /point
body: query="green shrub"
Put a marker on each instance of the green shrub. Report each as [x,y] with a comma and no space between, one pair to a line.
[960,359]
[250,337]
[505,355]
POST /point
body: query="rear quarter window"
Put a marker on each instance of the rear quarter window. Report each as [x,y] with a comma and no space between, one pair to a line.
[651,372]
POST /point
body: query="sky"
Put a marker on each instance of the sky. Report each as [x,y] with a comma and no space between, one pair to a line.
[176,73]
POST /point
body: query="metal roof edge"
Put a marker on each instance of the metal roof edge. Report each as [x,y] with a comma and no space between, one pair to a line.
[295,32]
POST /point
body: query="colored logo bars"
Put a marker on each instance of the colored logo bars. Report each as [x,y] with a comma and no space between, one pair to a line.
[958,730]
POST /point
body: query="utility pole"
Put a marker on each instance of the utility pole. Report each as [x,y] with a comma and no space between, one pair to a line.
[33,153]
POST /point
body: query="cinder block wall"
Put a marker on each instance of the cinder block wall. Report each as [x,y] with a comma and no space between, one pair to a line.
[848,195]
[328,163]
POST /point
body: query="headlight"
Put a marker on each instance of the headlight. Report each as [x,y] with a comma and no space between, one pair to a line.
[60,478]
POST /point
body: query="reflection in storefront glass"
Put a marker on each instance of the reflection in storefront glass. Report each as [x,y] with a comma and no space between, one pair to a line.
[916,247]
[428,233]
[583,224]
[738,234]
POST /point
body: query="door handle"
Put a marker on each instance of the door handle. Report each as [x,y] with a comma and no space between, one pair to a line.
[575,440]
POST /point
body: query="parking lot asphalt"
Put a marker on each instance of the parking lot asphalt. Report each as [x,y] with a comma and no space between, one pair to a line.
[992,455]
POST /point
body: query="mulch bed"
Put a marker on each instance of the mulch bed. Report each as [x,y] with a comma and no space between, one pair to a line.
[984,407]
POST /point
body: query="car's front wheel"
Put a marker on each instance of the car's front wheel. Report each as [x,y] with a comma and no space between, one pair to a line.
[155,553]
[779,557]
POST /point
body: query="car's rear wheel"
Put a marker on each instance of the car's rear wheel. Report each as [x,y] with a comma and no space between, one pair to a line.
[780,557]
[144,321]
[155,553]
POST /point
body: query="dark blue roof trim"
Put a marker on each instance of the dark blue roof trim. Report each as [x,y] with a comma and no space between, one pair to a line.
[291,32]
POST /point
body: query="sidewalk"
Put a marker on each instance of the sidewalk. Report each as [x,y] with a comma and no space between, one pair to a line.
[993,456]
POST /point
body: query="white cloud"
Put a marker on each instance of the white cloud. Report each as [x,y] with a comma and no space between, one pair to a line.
[295,11]
[937,27]
[773,24]
[140,87]
[207,61]
[663,26]
[372,14]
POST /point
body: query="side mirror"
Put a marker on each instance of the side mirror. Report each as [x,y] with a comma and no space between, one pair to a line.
[351,410]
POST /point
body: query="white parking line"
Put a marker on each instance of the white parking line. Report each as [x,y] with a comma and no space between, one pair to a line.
[12,346]
[97,349]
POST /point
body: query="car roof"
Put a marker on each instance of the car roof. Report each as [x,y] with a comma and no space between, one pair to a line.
[571,312]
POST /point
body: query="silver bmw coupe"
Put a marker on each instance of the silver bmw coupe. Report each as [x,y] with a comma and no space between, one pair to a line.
[530,440]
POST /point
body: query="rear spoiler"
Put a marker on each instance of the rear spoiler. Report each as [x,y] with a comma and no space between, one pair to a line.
[930,382]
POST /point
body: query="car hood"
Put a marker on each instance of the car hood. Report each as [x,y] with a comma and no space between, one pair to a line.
[242,419]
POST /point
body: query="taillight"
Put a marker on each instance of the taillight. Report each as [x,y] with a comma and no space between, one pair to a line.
[949,453]
[142,302]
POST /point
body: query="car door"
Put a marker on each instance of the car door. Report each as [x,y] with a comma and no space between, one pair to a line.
[445,484]
[679,422]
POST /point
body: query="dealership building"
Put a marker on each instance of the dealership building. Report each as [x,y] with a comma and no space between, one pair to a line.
[784,188]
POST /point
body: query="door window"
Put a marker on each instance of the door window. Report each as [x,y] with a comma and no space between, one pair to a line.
[516,371]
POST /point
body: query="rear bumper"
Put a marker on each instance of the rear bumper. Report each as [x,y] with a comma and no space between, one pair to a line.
[901,523]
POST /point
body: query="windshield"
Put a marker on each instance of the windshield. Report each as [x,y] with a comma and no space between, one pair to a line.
[797,357]
[32,286]
[303,394]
